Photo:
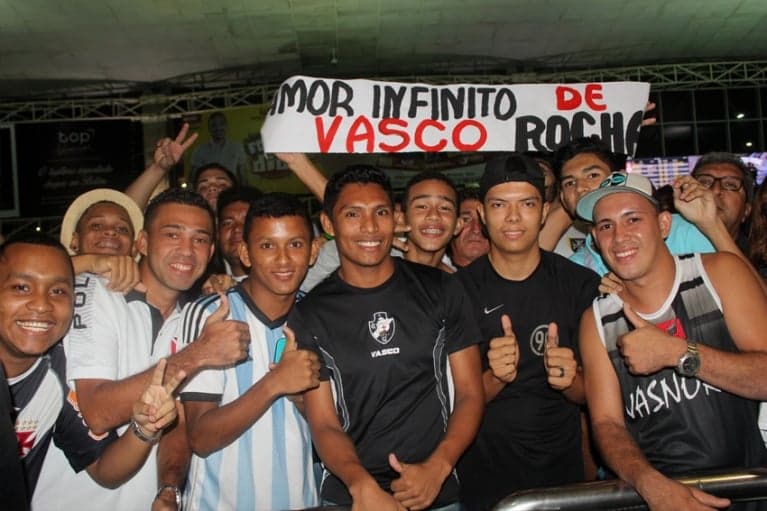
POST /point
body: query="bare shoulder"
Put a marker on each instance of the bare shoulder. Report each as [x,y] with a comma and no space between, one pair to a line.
[715,260]
[726,269]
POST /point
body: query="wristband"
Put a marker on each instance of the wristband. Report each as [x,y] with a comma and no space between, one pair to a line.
[175,491]
[143,436]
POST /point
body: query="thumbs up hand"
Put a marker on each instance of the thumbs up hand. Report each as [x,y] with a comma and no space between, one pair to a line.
[222,341]
[504,353]
[418,483]
[648,349]
[297,370]
[560,364]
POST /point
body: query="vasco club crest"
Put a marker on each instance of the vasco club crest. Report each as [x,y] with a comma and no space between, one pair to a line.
[381,327]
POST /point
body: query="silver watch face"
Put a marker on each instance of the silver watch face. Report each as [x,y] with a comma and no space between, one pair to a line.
[689,364]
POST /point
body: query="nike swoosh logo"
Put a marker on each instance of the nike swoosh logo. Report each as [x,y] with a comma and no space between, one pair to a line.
[488,311]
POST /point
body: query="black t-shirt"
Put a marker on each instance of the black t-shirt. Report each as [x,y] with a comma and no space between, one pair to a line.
[385,351]
[530,434]
[13,491]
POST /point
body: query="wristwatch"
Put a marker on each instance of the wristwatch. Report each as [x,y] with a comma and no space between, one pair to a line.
[689,362]
[174,489]
[151,439]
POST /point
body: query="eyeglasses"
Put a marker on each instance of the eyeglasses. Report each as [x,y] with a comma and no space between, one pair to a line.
[729,183]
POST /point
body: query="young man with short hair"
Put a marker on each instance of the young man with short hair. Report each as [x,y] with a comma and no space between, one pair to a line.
[674,361]
[582,165]
[99,229]
[385,329]
[251,443]
[233,204]
[226,267]
[37,294]
[430,207]
[116,339]
[527,303]
[212,179]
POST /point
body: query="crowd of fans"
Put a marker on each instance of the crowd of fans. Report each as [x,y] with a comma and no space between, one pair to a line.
[558,323]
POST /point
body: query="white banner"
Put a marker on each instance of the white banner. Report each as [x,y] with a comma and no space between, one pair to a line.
[318,115]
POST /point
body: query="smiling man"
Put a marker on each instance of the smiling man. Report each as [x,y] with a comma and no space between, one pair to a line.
[99,229]
[527,303]
[116,340]
[692,322]
[430,206]
[251,443]
[212,179]
[37,294]
[384,329]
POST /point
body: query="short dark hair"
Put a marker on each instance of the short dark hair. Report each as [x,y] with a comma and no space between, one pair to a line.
[427,175]
[276,205]
[236,194]
[213,165]
[354,174]
[716,158]
[468,193]
[177,196]
[587,145]
[40,239]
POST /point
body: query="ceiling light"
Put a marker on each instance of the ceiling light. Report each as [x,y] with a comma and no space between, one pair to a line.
[740,115]
[749,144]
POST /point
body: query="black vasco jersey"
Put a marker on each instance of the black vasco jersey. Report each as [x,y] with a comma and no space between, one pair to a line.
[385,352]
[530,435]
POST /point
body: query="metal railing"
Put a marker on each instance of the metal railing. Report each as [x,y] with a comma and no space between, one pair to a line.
[744,485]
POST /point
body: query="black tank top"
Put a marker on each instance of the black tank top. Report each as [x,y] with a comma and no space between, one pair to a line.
[684,424]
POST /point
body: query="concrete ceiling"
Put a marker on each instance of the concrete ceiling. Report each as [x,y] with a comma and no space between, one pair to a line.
[48,46]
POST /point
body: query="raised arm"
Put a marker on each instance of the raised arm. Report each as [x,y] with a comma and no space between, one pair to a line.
[305,170]
[168,152]
[121,272]
[154,410]
[106,404]
[697,205]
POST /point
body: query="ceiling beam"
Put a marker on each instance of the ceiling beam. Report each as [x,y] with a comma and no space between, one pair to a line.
[697,75]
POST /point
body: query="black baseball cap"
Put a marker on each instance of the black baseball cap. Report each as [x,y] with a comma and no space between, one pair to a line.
[511,168]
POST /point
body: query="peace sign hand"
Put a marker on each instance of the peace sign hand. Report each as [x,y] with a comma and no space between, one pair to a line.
[168,151]
[156,408]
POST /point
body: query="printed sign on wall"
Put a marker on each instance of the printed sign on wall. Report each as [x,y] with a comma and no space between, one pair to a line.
[58,161]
